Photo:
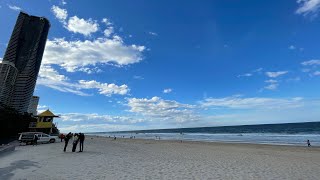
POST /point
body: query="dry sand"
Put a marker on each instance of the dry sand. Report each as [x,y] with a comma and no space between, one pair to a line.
[105,158]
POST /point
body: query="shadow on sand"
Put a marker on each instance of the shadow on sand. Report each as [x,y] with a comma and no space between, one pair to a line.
[6,172]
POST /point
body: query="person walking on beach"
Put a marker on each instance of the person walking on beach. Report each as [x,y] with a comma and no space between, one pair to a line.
[308,142]
[81,139]
[66,141]
[35,140]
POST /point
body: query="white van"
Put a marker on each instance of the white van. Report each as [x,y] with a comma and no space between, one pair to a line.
[27,137]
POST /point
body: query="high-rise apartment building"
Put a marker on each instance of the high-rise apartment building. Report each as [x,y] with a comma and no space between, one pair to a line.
[8,75]
[33,105]
[24,52]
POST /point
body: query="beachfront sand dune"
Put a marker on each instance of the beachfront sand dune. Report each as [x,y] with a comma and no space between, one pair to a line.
[105,158]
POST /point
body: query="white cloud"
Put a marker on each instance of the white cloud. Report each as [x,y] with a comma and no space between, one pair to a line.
[296,79]
[271,81]
[82,26]
[106,21]
[313,62]
[90,70]
[159,109]
[317,73]
[292,47]
[15,8]
[245,75]
[63,2]
[107,32]
[104,88]
[73,55]
[276,74]
[153,33]
[169,90]
[308,7]
[49,77]
[138,77]
[272,86]
[258,70]
[235,102]
[94,117]
[94,127]
[59,13]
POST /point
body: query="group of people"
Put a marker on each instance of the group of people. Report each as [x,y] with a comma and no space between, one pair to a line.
[77,138]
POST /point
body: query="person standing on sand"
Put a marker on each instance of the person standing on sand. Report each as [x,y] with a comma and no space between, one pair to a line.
[61,137]
[81,138]
[75,142]
[66,141]
[35,139]
[308,142]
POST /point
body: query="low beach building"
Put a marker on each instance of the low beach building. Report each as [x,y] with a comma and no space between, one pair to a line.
[44,123]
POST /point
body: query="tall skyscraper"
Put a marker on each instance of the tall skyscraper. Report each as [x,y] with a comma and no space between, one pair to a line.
[33,105]
[24,52]
[8,75]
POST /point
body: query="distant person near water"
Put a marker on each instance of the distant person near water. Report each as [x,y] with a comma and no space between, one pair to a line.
[75,142]
[66,140]
[35,139]
[308,143]
[81,139]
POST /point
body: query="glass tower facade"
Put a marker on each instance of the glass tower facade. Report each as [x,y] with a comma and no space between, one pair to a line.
[24,52]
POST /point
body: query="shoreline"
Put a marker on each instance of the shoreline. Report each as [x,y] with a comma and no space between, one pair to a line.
[239,144]
[213,141]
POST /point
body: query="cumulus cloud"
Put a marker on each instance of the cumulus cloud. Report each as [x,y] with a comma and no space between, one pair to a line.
[166,91]
[15,8]
[107,32]
[73,55]
[50,77]
[63,2]
[59,13]
[160,109]
[308,7]
[236,102]
[104,88]
[82,26]
[106,21]
[276,74]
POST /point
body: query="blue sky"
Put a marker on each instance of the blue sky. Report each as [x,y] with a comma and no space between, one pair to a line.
[123,65]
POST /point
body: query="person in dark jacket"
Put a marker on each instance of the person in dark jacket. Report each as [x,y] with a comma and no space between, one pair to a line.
[308,143]
[81,139]
[66,140]
[35,139]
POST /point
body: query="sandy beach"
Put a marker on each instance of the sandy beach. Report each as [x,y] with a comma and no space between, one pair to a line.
[104,158]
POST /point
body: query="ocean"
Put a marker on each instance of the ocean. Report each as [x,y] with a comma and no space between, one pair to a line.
[276,134]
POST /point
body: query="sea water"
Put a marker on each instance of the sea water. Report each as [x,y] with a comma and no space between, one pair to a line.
[277,134]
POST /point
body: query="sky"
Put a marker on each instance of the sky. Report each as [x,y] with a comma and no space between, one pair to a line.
[122,65]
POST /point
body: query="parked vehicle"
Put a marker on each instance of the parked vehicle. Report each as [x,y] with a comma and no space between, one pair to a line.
[27,137]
